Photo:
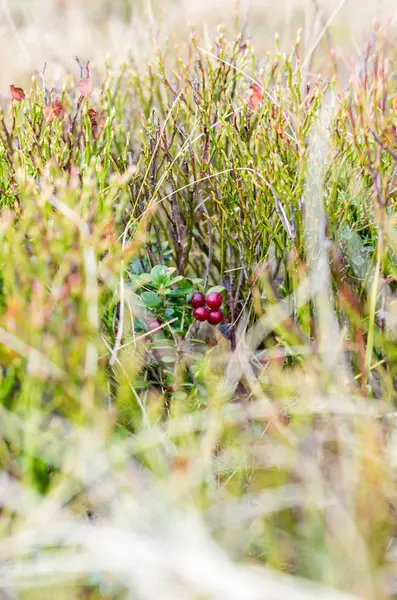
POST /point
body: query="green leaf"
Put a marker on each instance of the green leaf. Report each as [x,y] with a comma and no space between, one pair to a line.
[136,267]
[151,300]
[216,288]
[176,280]
[138,326]
[168,359]
[185,286]
[160,274]
[140,280]
[179,292]
[140,384]
[163,344]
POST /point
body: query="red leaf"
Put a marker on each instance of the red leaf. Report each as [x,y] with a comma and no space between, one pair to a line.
[254,96]
[48,113]
[57,107]
[85,87]
[17,93]
[93,117]
[53,111]
[97,122]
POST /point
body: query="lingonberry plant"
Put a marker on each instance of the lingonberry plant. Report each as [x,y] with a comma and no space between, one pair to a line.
[164,298]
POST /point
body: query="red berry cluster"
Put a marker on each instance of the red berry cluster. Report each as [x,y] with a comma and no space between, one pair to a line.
[212,314]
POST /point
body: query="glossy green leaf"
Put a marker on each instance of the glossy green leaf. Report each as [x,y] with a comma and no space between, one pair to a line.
[151,300]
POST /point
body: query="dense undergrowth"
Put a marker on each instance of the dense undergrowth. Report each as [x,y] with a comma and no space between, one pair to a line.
[123,194]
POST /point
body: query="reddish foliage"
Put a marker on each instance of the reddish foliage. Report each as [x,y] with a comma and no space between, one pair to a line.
[85,87]
[180,465]
[17,93]
[390,136]
[108,235]
[97,122]
[52,112]
[254,96]
[93,117]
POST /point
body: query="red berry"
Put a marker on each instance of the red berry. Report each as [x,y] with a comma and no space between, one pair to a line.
[214,300]
[201,313]
[215,317]
[198,299]
[154,324]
